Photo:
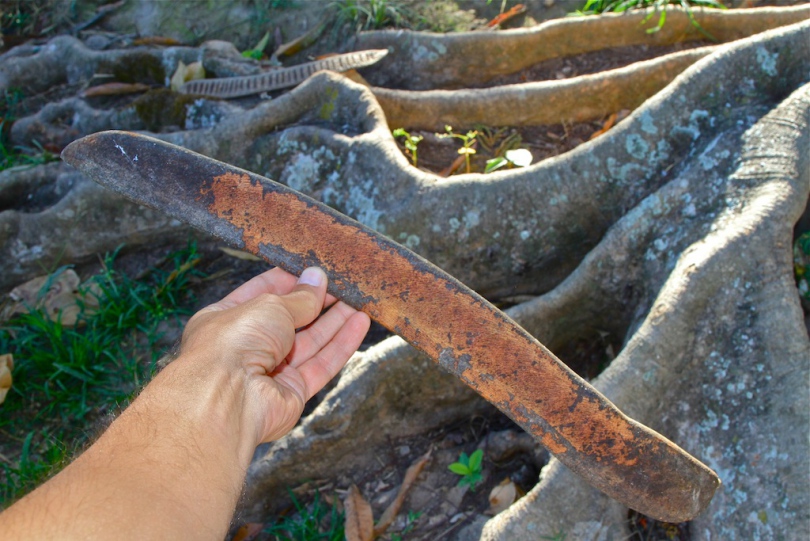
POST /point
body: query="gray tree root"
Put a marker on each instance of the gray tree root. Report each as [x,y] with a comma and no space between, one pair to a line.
[578,99]
[699,246]
[58,124]
[363,174]
[66,59]
[423,61]
[744,406]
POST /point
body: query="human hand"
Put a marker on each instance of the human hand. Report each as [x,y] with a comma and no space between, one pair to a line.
[252,333]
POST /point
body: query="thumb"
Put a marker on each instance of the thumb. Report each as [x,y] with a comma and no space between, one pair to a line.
[306,300]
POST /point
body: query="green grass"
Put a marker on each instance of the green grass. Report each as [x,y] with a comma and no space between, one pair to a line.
[10,109]
[44,17]
[65,378]
[319,521]
[362,15]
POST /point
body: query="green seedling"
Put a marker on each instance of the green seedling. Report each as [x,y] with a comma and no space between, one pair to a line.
[595,7]
[469,468]
[410,142]
[257,52]
[520,157]
[413,517]
[468,141]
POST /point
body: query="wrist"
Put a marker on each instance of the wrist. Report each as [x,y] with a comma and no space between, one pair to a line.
[207,399]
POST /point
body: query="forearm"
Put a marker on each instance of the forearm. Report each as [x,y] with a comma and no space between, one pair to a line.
[170,467]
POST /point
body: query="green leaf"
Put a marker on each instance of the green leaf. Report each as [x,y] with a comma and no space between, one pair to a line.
[459,469]
[464,459]
[399,132]
[495,164]
[475,460]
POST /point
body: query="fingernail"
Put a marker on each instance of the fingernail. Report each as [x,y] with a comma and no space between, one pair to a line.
[312,276]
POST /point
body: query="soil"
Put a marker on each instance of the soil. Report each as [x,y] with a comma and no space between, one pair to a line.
[436,153]
[589,63]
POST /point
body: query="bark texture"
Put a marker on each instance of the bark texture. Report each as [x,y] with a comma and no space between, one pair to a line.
[670,236]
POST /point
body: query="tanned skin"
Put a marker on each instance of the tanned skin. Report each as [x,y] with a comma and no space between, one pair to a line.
[173,464]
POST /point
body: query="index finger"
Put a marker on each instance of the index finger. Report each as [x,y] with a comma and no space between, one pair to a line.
[275,281]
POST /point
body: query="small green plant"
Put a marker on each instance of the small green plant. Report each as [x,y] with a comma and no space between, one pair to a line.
[468,142]
[319,521]
[595,7]
[410,142]
[413,518]
[519,157]
[469,468]
[257,52]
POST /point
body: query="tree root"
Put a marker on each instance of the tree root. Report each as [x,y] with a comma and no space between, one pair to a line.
[423,61]
[578,99]
[746,371]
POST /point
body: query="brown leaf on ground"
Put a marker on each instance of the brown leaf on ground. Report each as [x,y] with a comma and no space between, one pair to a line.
[114,89]
[161,41]
[391,512]
[502,496]
[6,365]
[239,254]
[359,518]
[611,120]
[299,43]
[185,73]
[458,162]
[503,17]
[247,531]
[54,294]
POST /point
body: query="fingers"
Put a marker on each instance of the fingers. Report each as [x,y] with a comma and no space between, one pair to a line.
[275,281]
[322,367]
[306,299]
[312,339]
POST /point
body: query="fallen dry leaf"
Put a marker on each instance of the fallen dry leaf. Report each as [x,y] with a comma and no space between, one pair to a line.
[248,531]
[299,43]
[359,518]
[156,40]
[502,496]
[114,89]
[185,73]
[611,120]
[239,254]
[54,294]
[6,365]
[391,512]
[503,17]
[458,162]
